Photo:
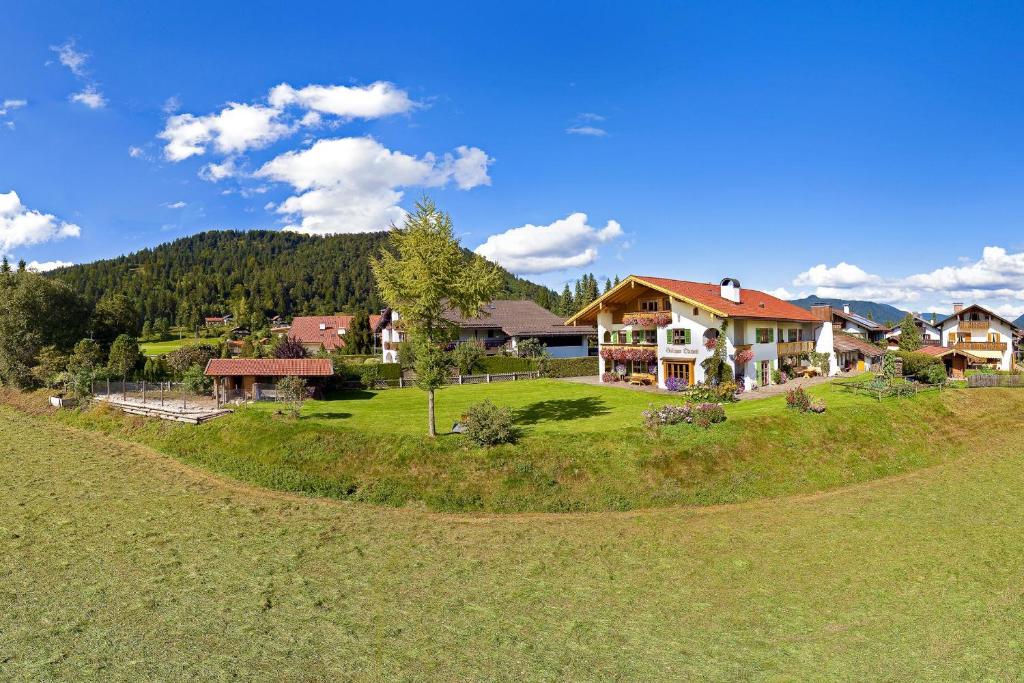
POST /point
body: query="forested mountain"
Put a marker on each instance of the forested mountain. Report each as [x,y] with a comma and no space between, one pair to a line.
[259,272]
[1019,322]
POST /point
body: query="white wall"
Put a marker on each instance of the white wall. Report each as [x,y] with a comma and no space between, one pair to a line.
[951,325]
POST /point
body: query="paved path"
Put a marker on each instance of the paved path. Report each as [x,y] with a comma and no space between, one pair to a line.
[763,392]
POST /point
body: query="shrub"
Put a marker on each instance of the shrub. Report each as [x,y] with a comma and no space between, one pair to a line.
[195,380]
[667,415]
[798,400]
[289,348]
[488,425]
[497,365]
[673,384]
[933,374]
[777,377]
[293,390]
[724,392]
[917,363]
[369,376]
[609,377]
[467,355]
[572,367]
[530,348]
[707,414]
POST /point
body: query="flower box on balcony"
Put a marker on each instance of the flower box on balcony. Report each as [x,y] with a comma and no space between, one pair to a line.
[629,353]
[644,319]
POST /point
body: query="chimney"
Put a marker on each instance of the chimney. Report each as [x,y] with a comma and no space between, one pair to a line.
[821,311]
[958,307]
[846,309]
[323,326]
[730,289]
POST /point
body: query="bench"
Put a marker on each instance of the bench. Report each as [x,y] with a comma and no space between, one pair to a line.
[642,378]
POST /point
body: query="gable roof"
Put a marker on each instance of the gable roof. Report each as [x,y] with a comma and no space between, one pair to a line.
[269,367]
[306,329]
[858,319]
[843,343]
[943,351]
[978,307]
[753,303]
[517,319]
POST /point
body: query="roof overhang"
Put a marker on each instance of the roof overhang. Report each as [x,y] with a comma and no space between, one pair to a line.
[616,294]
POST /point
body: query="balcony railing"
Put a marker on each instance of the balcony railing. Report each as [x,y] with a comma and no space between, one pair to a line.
[980,346]
[793,348]
[973,324]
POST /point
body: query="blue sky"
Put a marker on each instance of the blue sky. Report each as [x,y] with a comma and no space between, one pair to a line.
[859,150]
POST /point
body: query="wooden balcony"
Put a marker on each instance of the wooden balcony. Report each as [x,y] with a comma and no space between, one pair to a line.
[980,346]
[974,324]
[743,347]
[795,348]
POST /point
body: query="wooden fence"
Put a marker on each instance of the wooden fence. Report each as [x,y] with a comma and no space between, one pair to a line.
[403,383]
[980,380]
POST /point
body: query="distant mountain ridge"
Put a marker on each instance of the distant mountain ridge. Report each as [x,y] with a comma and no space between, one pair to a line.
[882,313]
[1019,322]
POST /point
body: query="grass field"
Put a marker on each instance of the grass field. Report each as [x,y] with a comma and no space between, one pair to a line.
[583,447]
[117,563]
[162,347]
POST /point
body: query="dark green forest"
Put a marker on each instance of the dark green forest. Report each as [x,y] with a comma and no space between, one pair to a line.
[251,274]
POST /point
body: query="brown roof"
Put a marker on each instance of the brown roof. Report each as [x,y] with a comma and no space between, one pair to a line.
[941,351]
[306,329]
[269,367]
[707,295]
[844,343]
[518,319]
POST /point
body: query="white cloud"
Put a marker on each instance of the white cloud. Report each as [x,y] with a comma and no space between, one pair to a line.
[841,275]
[566,243]
[11,105]
[781,293]
[240,127]
[996,281]
[171,105]
[234,129]
[216,172]
[176,205]
[136,152]
[44,266]
[355,184]
[21,226]
[71,57]
[589,116]
[349,102]
[90,97]
[591,131]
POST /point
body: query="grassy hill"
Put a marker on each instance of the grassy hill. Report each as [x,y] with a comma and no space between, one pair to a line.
[273,272]
[119,563]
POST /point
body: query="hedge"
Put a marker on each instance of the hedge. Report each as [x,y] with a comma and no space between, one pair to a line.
[498,365]
[914,362]
[572,367]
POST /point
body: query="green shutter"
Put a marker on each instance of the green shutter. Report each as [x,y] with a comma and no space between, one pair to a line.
[771,335]
[686,337]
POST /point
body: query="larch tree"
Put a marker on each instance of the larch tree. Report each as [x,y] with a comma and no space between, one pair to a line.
[422,273]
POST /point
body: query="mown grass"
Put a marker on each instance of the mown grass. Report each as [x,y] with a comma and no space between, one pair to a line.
[117,563]
[583,448]
[161,347]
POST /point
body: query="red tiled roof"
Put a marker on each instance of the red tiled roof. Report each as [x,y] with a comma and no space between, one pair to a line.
[753,303]
[940,351]
[269,367]
[843,343]
[306,329]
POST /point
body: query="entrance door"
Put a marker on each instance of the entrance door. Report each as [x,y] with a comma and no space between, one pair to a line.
[680,370]
[765,373]
[860,365]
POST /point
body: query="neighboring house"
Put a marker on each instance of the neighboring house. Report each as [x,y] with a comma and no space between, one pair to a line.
[855,354]
[982,333]
[499,326]
[955,360]
[327,332]
[931,334]
[850,323]
[217,320]
[667,328]
[247,378]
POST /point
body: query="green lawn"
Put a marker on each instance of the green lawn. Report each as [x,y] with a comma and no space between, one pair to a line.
[162,347]
[118,563]
[583,447]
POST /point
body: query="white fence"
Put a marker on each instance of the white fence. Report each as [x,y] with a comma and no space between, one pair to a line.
[461,379]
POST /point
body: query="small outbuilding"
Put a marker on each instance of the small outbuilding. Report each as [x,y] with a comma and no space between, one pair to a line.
[854,354]
[955,360]
[256,378]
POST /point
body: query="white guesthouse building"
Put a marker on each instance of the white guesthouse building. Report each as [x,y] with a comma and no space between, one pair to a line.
[982,334]
[652,326]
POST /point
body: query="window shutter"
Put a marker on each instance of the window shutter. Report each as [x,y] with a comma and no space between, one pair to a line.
[771,335]
[686,336]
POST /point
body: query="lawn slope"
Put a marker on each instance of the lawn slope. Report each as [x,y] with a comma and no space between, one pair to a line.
[117,563]
[583,447]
